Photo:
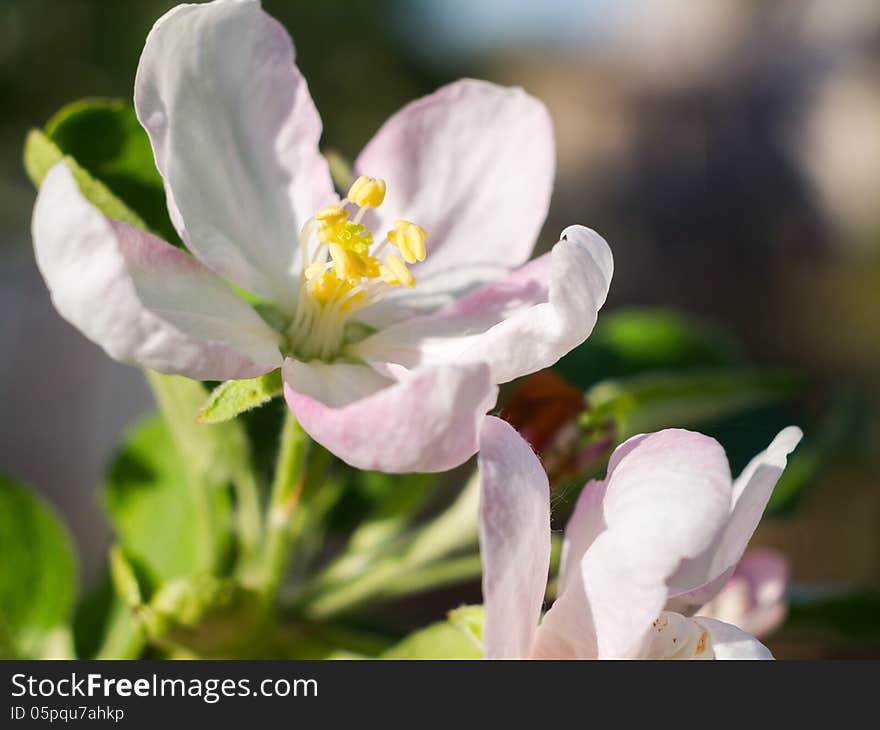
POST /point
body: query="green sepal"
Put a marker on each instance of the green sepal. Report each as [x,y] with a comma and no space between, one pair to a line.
[124,577]
[470,620]
[234,397]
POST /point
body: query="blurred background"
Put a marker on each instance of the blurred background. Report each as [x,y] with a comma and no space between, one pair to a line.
[728,150]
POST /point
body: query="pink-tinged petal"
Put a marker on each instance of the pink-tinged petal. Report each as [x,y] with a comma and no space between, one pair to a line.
[473,164]
[755,597]
[586,523]
[568,629]
[235,135]
[688,602]
[706,574]
[729,642]
[426,421]
[551,303]
[144,301]
[665,500]
[514,540]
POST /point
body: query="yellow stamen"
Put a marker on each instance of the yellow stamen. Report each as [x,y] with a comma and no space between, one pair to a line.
[367,192]
[331,221]
[347,263]
[396,274]
[324,287]
[332,214]
[409,239]
[335,287]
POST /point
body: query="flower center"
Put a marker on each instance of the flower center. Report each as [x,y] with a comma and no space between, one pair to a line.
[344,272]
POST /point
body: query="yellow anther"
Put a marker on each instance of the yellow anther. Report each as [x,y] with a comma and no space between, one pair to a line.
[367,192]
[348,264]
[395,273]
[332,221]
[371,267]
[332,214]
[409,239]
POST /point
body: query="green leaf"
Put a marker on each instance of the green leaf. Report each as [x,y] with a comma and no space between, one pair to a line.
[394,501]
[108,144]
[822,444]
[851,615]
[38,579]
[233,397]
[637,340]
[442,640]
[158,516]
[41,154]
[645,403]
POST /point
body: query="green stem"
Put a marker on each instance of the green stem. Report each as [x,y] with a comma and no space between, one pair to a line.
[286,491]
[434,576]
[249,521]
[454,529]
[351,583]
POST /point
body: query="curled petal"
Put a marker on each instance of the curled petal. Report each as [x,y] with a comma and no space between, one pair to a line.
[551,303]
[514,540]
[426,421]
[235,135]
[144,301]
[698,580]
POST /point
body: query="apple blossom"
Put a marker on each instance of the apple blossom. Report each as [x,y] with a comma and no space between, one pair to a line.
[394,312]
[646,546]
[755,596]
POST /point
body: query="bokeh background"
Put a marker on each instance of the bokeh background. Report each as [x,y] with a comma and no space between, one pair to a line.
[729,151]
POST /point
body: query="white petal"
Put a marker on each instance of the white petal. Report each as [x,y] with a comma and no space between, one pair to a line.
[472,164]
[144,301]
[235,135]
